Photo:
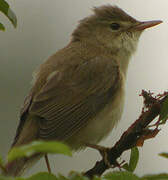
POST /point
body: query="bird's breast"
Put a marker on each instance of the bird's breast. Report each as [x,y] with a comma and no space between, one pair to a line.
[102,124]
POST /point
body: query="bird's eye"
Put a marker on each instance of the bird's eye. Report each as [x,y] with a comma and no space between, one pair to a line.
[114,26]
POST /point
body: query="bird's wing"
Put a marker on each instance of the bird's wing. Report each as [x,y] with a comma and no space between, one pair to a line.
[69,99]
[23,114]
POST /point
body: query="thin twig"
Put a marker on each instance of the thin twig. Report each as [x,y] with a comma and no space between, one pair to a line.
[47,163]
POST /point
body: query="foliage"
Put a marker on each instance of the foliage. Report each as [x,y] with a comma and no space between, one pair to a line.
[133,160]
[164,111]
[121,176]
[164,154]
[7,11]
[59,148]
[117,175]
[39,147]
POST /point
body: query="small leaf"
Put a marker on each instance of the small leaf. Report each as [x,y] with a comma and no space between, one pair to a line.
[39,147]
[2,166]
[2,27]
[165,155]
[5,9]
[42,176]
[134,157]
[96,178]
[164,111]
[19,178]
[155,177]
[61,177]
[5,178]
[126,167]
[16,153]
[121,176]
[76,176]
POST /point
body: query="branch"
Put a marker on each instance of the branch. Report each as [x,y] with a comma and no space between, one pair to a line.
[135,135]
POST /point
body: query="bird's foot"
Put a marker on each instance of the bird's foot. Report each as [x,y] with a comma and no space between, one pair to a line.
[119,165]
[157,124]
[103,151]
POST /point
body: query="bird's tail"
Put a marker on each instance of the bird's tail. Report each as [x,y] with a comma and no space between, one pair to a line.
[17,167]
[26,133]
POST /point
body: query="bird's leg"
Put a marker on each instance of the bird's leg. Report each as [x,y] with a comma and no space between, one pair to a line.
[103,151]
[119,165]
[47,163]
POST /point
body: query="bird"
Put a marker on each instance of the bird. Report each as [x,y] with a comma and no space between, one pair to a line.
[77,95]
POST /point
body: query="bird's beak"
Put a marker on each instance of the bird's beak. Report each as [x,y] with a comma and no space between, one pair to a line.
[147,24]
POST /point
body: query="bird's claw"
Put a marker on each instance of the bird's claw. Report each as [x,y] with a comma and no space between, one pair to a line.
[103,151]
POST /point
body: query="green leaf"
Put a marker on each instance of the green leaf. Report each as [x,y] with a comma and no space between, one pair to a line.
[134,157]
[5,9]
[76,176]
[61,177]
[2,27]
[155,177]
[121,176]
[165,155]
[42,176]
[96,178]
[126,167]
[19,178]
[5,178]
[2,166]
[164,111]
[39,147]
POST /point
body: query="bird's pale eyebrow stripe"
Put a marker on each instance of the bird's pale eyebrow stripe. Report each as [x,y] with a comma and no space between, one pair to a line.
[51,75]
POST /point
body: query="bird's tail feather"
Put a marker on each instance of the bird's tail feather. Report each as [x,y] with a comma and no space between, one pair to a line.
[17,167]
[25,135]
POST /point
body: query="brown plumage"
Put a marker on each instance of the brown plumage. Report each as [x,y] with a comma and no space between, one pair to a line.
[78,93]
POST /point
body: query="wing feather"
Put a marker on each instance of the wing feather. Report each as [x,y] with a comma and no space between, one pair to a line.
[66,105]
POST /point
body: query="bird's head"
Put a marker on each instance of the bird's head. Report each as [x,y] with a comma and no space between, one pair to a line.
[111,28]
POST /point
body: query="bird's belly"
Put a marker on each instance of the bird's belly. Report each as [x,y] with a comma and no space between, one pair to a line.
[99,127]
